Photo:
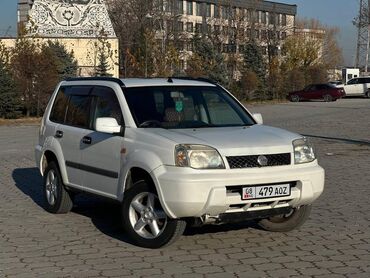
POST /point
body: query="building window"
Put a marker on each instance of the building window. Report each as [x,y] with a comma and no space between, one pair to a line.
[263,17]
[180,6]
[198,27]
[283,20]
[256,16]
[272,18]
[180,26]
[198,10]
[208,10]
[189,8]
[189,27]
[224,12]
[216,12]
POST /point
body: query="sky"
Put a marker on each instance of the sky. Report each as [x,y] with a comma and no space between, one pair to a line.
[335,13]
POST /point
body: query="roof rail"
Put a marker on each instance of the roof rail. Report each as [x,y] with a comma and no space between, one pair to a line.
[204,79]
[97,78]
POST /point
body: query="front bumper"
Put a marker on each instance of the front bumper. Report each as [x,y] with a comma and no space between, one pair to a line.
[186,192]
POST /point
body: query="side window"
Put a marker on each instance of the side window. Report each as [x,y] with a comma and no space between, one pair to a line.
[78,112]
[58,111]
[107,104]
[353,81]
[219,111]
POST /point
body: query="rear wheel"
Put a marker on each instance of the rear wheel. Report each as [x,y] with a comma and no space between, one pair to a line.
[367,94]
[328,98]
[295,98]
[144,219]
[287,222]
[58,199]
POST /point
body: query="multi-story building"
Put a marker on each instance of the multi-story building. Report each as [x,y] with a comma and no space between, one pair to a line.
[234,22]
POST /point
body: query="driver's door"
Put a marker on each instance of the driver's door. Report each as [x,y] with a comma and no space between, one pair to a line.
[101,152]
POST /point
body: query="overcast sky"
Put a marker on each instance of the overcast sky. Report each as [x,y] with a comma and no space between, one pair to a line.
[338,13]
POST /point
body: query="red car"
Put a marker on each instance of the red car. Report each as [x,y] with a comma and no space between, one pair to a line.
[326,92]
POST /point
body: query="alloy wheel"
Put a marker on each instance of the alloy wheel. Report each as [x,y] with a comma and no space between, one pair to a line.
[51,187]
[146,216]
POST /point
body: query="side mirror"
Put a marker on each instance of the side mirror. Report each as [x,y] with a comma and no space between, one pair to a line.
[258,118]
[107,125]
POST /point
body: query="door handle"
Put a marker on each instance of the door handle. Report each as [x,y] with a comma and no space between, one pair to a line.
[86,140]
[59,134]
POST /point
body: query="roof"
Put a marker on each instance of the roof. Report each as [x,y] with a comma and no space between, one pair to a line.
[147,82]
[144,82]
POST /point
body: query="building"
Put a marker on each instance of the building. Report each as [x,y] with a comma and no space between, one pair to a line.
[234,21]
[83,26]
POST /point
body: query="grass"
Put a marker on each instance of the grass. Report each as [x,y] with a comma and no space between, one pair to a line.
[20,121]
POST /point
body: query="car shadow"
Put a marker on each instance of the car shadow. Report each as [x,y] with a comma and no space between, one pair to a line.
[104,213]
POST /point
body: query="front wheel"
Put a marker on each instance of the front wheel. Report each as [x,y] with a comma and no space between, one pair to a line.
[144,219]
[287,222]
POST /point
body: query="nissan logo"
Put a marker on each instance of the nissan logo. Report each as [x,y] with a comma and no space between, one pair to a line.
[262,160]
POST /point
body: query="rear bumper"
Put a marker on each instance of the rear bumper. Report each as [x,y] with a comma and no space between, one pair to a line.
[186,192]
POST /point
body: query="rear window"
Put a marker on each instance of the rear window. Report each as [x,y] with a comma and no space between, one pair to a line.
[58,111]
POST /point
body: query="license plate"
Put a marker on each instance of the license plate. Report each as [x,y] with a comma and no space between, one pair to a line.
[265,191]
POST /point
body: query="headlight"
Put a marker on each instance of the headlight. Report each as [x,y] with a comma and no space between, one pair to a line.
[198,157]
[303,151]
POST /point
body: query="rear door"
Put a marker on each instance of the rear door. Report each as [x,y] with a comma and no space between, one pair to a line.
[101,152]
[72,127]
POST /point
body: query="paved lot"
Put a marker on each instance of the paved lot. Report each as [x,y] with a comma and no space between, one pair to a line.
[88,242]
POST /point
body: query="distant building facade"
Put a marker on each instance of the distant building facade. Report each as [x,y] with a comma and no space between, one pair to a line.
[83,26]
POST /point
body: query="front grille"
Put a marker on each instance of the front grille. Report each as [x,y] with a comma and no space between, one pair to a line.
[252,161]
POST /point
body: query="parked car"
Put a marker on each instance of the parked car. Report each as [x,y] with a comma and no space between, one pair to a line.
[359,86]
[172,152]
[326,92]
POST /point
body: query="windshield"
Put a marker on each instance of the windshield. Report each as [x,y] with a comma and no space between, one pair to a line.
[185,107]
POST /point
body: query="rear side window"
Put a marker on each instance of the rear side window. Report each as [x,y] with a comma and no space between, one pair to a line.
[72,106]
[58,111]
[107,104]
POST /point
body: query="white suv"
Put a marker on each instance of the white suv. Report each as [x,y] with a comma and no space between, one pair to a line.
[359,86]
[173,151]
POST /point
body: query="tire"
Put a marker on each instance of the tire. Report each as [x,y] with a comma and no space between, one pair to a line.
[58,199]
[141,209]
[328,98]
[295,98]
[367,94]
[286,223]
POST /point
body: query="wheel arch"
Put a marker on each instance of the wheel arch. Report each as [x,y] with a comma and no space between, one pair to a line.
[50,155]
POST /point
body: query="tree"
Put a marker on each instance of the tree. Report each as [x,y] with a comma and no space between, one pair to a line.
[65,61]
[24,64]
[254,63]
[103,66]
[9,99]
[206,61]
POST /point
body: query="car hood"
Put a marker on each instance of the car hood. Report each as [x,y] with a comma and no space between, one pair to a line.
[256,139]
